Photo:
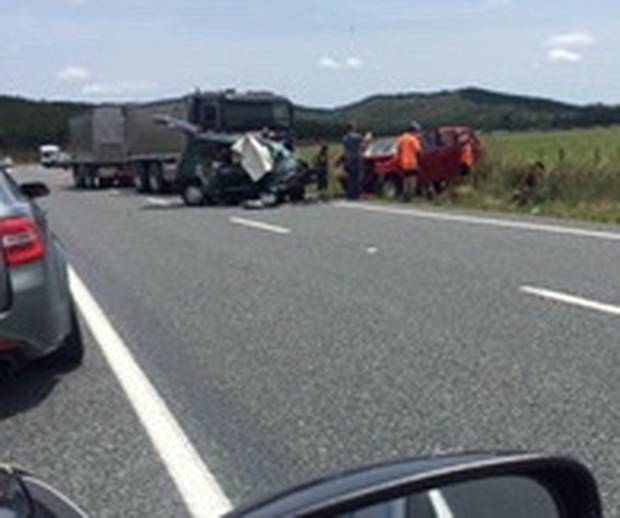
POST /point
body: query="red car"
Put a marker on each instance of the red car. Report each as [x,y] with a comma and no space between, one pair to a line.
[448,153]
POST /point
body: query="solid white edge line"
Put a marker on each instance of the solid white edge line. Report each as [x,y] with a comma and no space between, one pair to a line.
[260,225]
[476,220]
[195,482]
[572,300]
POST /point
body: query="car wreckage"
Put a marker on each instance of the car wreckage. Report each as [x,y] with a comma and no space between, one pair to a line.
[252,168]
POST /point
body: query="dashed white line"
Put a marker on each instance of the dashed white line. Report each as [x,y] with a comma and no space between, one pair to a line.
[476,220]
[573,300]
[195,482]
[260,225]
[160,201]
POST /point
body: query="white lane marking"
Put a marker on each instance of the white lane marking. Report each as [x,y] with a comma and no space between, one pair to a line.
[160,202]
[475,220]
[260,225]
[572,300]
[372,250]
[440,505]
[197,485]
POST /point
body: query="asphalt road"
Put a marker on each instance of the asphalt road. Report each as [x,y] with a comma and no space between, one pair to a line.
[336,338]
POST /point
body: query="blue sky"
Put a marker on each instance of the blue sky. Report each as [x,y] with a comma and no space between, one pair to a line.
[319,52]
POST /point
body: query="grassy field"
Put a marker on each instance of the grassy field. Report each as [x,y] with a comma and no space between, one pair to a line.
[576,175]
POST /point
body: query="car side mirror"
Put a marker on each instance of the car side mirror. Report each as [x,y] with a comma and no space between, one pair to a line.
[481,485]
[34,189]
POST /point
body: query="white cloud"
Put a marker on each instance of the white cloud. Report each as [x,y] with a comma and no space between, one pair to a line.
[74,74]
[571,40]
[568,47]
[329,63]
[564,56]
[75,2]
[334,64]
[353,62]
[118,88]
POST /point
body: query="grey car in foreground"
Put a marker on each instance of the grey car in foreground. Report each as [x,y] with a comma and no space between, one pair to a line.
[37,314]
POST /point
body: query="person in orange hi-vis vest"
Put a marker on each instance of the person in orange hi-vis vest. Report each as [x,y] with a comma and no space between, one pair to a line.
[468,157]
[409,151]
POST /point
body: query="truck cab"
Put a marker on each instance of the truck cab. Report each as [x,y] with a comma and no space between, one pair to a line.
[232,112]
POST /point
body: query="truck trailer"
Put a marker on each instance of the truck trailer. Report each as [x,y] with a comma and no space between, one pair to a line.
[125,144]
[97,146]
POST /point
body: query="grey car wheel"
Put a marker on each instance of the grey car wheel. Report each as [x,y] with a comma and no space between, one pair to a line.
[71,353]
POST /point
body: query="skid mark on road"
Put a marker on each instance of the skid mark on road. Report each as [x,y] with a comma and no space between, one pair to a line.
[573,300]
[260,225]
[195,482]
[476,220]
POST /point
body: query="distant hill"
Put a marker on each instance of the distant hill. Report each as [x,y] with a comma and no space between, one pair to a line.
[25,124]
[481,109]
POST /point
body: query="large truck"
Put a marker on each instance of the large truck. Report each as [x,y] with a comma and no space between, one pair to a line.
[125,144]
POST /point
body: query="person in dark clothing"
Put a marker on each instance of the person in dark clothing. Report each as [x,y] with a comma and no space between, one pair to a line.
[289,142]
[321,166]
[354,144]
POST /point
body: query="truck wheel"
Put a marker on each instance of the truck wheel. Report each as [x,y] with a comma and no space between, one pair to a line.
[192,195]
[139,180]
[390,188]
[92,180]
[71,352]
[155,180]
[88,181]
[78,177]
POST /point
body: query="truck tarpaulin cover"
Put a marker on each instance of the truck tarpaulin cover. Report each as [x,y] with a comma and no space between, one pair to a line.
[256,158]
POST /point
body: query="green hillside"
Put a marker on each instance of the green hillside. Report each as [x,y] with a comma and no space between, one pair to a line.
[26,124]
[477,108]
